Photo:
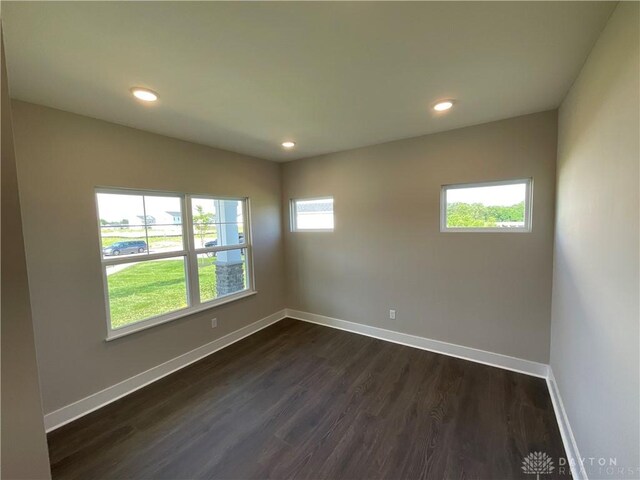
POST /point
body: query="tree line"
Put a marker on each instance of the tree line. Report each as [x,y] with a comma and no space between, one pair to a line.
[479,215]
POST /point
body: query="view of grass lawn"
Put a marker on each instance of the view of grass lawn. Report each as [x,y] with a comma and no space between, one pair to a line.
[149,289]
[145,290]
[149,226]
[207,277]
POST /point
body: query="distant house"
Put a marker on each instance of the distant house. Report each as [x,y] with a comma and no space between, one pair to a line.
[163,218]
[176,217]
[140,220]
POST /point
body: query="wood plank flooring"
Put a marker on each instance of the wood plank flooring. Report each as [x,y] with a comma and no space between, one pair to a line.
[298,400]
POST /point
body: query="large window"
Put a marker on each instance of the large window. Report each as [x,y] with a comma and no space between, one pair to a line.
[487,207]
[312,214]
[165,255]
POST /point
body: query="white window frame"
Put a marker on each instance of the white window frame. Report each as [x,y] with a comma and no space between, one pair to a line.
[190,254]
[293,214]
[528,207]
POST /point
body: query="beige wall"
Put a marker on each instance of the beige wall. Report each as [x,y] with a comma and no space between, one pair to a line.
[594,342]
[490,291]
[24,446]
[62,157]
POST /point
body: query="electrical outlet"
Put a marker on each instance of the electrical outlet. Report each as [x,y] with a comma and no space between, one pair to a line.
[392,314]
[214,322]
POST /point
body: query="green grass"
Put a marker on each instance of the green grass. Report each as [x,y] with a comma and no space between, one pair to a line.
[148,289]
[207,278]
[145,290]
[462,214]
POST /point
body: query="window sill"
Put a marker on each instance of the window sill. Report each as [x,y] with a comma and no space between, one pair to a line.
[152,322]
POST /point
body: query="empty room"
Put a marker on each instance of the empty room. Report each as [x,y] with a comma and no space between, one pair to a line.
[320,240]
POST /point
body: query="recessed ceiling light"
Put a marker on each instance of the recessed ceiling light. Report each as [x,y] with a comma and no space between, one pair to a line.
[288,144]
[442,106]
[144,94]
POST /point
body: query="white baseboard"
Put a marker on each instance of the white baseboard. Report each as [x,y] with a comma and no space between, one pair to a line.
[467,353]
[99,399]
[570,446]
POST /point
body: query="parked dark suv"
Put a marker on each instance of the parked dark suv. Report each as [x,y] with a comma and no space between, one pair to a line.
[132,246]
[214,243]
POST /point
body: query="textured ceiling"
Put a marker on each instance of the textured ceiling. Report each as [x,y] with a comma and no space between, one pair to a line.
[244,76]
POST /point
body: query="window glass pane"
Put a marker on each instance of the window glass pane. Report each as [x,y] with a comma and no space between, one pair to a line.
[491,206]
[316,214]
[204,210]
[230,234]
[205,235]
[154,222]
[165,238]
[222,273]
[217,222]
[141,290]
[120,210]
[118,214]
[164,223]
[123,241]
[230,211]
[163,210]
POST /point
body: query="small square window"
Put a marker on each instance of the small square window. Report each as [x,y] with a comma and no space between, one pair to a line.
[487,207]
[312,214]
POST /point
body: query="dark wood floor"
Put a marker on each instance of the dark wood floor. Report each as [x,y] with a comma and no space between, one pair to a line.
[298,400]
